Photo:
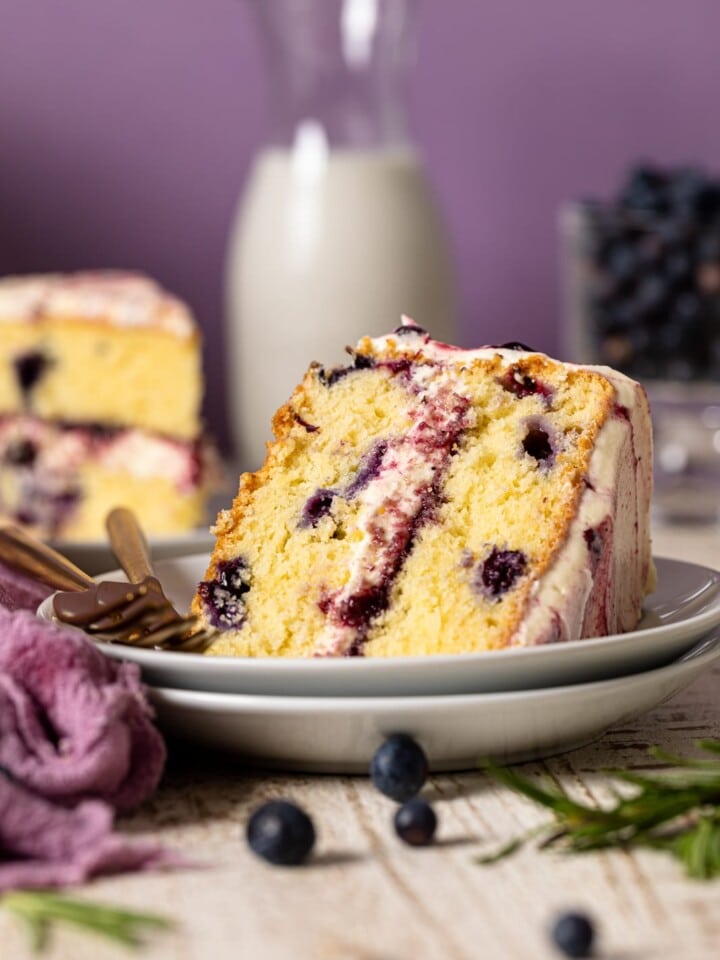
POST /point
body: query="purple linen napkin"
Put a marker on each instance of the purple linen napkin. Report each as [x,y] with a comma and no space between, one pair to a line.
[18,592]
[46,845]
[77,744]
[73,723]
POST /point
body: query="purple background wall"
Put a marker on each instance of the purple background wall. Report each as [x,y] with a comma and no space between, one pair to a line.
[127,127]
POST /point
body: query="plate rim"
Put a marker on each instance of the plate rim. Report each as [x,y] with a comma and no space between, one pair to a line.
[580,648]
[705,651]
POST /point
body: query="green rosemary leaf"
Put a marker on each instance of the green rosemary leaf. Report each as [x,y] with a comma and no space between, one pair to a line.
[697,847]
[557,802]
[40,910]
[677,811]
[505,851]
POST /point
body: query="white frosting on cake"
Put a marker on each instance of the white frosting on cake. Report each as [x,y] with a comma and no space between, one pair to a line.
[120,299]
[615,493]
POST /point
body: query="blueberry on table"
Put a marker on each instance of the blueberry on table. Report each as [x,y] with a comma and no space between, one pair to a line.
[281,833]
[416,822]
[573,934]
[399,768]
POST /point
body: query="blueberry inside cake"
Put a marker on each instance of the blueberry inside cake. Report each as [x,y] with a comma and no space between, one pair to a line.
[100,390]
[425,499]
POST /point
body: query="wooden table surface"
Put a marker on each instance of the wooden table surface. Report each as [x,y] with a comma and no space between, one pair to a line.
[365,896]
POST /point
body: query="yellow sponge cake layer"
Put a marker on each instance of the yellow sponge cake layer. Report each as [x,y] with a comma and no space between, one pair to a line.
[429,500]
[99,348]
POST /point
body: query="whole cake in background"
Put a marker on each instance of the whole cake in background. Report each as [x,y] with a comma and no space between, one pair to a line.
[427,499]
[100,392]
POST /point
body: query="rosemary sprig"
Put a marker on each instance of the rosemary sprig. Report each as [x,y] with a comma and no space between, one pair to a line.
[41,910]
[677,811]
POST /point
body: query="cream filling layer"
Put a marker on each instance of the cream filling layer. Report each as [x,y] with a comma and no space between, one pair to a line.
[64,450]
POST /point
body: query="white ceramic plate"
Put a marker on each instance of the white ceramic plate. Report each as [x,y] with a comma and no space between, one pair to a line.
[340,735]
[685,606]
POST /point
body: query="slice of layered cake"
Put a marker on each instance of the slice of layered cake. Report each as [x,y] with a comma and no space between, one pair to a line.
[100,390]
[427,499]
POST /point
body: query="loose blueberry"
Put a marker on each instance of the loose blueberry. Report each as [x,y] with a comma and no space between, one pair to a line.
[415,822]
[573,934]
[20,453]
[399,768]
[29,369]
[499,571]
[281,833]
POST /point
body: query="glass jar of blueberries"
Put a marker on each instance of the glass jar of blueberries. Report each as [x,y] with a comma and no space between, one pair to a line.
[642,289]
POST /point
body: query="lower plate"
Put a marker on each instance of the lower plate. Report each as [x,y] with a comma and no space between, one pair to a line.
[340,734]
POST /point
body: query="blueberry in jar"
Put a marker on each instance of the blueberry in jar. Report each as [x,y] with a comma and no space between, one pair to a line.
[281,833]
[622,262]
[573,934]
[645,190]
[399,768]
[415,822]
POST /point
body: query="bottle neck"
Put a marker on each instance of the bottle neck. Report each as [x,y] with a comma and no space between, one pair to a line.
[337,68]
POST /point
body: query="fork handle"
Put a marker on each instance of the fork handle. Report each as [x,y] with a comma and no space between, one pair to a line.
[128,544]
[21,551]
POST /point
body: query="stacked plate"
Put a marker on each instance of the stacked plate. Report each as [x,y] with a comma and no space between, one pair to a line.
[331,715]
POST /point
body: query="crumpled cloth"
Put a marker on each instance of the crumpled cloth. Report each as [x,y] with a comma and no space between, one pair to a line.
[77,745]
[46,845]
[73,723]
[18,592]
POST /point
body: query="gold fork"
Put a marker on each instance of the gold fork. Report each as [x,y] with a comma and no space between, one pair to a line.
[167,626]
[109,611]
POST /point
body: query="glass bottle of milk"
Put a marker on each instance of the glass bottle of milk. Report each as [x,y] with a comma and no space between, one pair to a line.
[337,234]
